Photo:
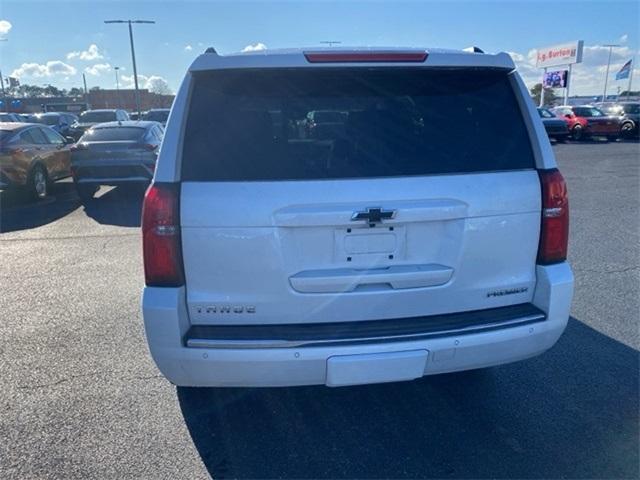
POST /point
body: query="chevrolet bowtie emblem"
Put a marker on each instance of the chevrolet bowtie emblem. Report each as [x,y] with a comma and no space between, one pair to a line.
[373,215]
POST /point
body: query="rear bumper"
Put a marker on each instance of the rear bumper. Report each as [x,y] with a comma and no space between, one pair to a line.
[166,325]
[101,173]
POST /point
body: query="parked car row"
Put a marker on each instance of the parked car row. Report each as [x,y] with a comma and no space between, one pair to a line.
[32,155]
[610,120]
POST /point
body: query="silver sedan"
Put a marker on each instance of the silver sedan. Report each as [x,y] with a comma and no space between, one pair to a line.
[115,153]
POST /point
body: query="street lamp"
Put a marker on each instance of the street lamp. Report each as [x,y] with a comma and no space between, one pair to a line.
[606,77]
[133,55]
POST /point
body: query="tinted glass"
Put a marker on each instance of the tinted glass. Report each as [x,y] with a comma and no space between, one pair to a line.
[113,134]
[52,136]
[5,117]
[329,117]
[588,112]
[4,134]
[46,119]
[249,125]
[631,108]
[544,113]
[38,136]
[156,116]
[98,117]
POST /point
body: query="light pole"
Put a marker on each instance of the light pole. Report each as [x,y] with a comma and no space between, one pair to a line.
[4,95]
[606,77]
[118,87]
[133,55]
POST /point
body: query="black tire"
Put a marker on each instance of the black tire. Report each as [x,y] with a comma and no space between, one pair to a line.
[577,133]
[85,192]
[38,182]
[626,130]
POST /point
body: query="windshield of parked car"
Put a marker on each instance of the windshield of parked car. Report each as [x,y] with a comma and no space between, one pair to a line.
[544,113]
[4,117]
[97,117]
[45,119]
[156,115]
[252,125]
[112,134]
[588,112]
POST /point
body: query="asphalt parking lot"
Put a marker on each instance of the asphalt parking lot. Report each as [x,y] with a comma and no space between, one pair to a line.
[81,397]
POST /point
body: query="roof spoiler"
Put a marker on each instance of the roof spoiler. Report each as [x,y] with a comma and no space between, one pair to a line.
[473,49]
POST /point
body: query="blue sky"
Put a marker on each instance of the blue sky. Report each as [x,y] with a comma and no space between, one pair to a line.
[43,36]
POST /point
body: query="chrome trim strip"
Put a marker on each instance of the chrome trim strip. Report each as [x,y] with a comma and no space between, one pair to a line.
[112,179]
[275,343]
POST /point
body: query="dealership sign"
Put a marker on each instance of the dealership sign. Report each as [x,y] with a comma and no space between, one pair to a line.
[565,54]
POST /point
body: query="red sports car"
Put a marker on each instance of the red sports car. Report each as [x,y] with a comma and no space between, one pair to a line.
[586,121]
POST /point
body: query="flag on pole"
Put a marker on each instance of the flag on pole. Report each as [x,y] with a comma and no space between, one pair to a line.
[624,71]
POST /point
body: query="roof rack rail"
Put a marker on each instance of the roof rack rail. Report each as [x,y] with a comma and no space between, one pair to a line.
[473,49]
[211,50]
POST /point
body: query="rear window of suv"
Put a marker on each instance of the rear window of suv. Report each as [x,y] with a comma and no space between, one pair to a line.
[113,134]
[257,124]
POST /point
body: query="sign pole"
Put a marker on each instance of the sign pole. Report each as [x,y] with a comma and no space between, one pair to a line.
[566,88]
[633,62]
[542,89]
[4,96]
[606,76]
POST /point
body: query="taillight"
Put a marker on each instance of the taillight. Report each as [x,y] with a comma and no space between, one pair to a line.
[365,56]
[161,243]
[554,231]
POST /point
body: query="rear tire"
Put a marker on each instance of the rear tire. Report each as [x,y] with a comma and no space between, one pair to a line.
[626,130]
[38,183]
[577,133]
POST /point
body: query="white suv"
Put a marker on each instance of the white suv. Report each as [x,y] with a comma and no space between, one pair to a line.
[425,231]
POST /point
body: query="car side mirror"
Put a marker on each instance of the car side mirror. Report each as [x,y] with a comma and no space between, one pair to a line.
[69,140]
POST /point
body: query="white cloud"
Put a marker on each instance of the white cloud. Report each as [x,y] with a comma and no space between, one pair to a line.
[624,38]
[97,69]
[49,69]
[255,47]
[153,83]
[188,48]
[91,53]
[5,26]
[517,57]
